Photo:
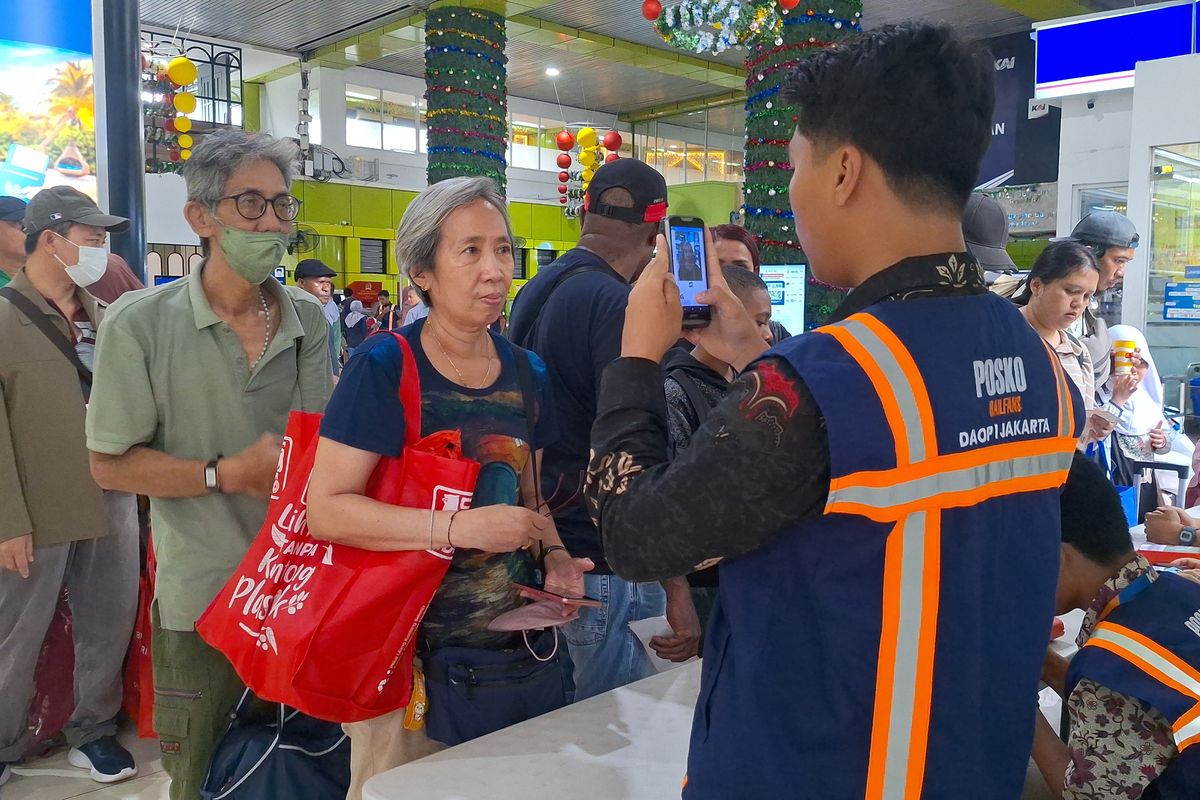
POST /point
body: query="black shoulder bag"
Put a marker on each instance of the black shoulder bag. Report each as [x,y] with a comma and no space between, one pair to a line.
[34,314]
[473,691]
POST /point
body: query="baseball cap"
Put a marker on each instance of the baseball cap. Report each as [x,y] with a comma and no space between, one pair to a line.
[313,268]
[1107,228]
[12,209]
[985,229]
[642,181]
[64,204]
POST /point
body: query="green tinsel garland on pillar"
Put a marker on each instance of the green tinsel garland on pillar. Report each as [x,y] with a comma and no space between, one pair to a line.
[466,94]
[769,126]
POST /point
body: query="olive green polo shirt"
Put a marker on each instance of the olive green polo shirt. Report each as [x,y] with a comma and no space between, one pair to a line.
[172,376]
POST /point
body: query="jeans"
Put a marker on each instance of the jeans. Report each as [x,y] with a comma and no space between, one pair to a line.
[101,576]
[603,649]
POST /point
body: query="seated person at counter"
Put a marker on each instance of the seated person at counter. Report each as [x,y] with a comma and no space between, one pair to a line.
[1133,691]
[1171,526]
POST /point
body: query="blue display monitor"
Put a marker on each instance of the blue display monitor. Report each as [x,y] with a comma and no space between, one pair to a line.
[1099,53]
[785,285]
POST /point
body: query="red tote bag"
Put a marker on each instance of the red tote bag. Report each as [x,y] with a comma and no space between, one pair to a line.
[326,628]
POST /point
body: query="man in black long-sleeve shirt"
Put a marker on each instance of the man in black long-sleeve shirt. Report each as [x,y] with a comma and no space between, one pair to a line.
[867,494]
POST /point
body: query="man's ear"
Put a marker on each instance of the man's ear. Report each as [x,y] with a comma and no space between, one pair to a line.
[200,219]
[848,172]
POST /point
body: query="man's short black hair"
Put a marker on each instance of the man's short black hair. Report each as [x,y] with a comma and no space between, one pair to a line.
[384,293]
[743,281]
[915,97]
[1093,521]
[63,229]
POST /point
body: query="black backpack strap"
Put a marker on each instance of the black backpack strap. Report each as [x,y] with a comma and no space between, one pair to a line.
[528,388]
[524,361]
[524,338]
[48,329]
[694,395]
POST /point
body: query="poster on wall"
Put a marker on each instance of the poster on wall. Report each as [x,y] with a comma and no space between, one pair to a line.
[1025,134]
[785,284]
[47,99]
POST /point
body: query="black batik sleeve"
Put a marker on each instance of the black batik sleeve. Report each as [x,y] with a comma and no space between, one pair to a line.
[759,464]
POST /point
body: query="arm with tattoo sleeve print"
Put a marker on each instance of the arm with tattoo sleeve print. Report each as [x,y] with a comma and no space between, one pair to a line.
[759,463]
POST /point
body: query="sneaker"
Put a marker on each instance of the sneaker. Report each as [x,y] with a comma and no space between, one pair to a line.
[108,761]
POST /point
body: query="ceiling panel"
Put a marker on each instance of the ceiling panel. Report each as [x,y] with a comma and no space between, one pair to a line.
[620,19]
[275,24]
[586,81]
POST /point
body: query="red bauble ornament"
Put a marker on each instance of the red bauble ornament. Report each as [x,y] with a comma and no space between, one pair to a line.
[564,159]
[612,141]
[790,4]
[563,177]
[174,155]
[611,158]
[562,200]
[652,8]
[562,188]
[564,140]
[169,125]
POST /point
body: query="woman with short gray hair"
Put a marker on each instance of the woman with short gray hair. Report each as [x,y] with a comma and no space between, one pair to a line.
[455,244]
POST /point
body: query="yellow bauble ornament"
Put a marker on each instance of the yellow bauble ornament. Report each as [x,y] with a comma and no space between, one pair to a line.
[586,138]
[185,102]
[183,124]
[185,154]
[181,71]
[587,157]
[185,141]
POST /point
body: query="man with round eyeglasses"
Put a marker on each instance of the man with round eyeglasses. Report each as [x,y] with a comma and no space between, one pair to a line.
[201,375]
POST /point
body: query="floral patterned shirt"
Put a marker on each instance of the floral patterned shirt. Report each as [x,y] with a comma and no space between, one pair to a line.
[1118,745]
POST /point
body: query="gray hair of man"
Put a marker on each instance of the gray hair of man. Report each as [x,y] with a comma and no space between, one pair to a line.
[223,153]
[420,230]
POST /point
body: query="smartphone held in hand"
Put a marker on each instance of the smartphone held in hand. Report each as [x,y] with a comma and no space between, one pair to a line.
[539,593]
[689,265]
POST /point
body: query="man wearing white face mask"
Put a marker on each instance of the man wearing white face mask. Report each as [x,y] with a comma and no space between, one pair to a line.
[56,527]
[195,380]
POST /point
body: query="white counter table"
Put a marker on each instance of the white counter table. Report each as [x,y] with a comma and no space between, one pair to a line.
[628,744]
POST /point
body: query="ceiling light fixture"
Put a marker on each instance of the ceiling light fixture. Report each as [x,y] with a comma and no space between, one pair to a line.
[553,72]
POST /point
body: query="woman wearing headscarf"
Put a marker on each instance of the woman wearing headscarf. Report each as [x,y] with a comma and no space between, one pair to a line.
[356,325]
[1142,431]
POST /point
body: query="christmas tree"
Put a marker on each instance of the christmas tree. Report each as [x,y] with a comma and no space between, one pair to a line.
[769,126]
[466,94]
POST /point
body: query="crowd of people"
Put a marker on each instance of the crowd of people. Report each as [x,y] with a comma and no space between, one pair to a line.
[865,530]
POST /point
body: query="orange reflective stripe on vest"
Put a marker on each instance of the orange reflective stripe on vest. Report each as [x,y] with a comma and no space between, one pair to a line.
[1159,663]
[913,496]
[1066,406]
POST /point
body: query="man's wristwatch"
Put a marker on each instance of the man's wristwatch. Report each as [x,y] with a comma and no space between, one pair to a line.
[210,477]
[1187,536]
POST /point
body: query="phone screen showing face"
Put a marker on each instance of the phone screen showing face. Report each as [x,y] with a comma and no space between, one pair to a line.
[689,263]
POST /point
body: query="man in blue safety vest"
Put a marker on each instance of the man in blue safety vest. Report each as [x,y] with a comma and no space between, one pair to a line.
[882,492]
[1133,690]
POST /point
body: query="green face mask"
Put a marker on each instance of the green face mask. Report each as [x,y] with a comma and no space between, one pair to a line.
[253,254]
